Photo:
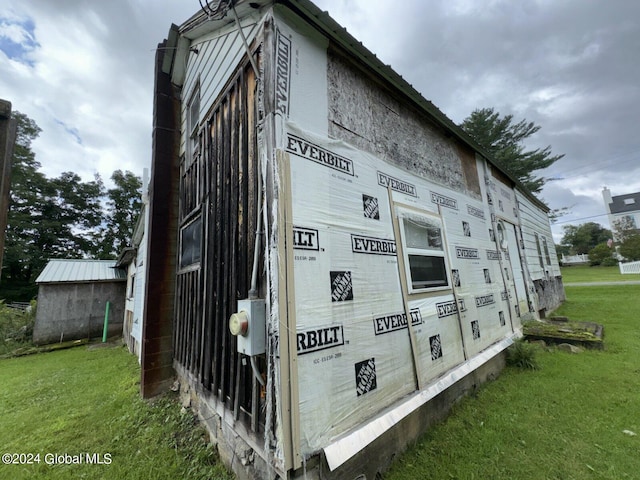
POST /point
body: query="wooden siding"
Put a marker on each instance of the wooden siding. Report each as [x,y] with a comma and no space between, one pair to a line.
[220,185]
[218,55]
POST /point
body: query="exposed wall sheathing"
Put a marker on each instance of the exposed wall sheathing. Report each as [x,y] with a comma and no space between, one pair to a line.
[367,116]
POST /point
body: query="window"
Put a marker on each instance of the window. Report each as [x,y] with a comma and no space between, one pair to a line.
[539,251]
[193,117]
[546,251]
[629,201]
[423,250]
[190,240]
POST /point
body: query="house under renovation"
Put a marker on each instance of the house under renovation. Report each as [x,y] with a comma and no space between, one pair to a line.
[332,262]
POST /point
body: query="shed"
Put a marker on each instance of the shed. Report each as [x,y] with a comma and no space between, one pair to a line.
[72,298]
[334,261]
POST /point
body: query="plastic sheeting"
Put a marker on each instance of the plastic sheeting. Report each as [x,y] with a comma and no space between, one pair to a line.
[355,355]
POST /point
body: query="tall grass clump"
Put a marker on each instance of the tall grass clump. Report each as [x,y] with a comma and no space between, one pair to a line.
[16,327]
[523,354]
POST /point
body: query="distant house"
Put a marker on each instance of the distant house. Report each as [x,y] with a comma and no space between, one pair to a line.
[72,298]
[622,209]
[133,260]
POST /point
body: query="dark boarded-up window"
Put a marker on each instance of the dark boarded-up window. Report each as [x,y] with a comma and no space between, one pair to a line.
[190,242]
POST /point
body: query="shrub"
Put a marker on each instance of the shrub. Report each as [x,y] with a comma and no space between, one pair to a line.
[523,355]
[599,254]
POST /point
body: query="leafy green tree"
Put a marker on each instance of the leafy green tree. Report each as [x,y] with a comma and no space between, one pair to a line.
[503,139]
[630,248]
[123,208]
[47,218]
[582,238]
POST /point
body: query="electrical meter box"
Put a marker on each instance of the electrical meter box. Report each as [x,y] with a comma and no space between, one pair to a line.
[249,325]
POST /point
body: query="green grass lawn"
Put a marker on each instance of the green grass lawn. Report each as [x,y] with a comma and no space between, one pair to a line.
[81,401]
[564,421]
[585,273]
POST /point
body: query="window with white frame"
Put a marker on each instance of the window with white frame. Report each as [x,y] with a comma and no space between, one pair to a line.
[423,251]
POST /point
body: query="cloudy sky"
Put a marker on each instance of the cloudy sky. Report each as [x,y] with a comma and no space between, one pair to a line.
[83,70]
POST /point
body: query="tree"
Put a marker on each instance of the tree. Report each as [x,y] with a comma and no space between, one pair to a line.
[630,248]
[503,140]
[123,208]
[47,218]
[601,254]
[581,239]
[624,228]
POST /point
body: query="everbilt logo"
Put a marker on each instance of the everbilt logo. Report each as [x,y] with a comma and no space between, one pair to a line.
[484,300]
[319,339]
[371,245]
[493,255]
[476,212]
[446,309]
[396,321]
[396,185]
[305,239]
[317,154]
[467,253]
[283,73]
[444,201]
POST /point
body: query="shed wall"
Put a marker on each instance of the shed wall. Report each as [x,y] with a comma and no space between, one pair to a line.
[76,310]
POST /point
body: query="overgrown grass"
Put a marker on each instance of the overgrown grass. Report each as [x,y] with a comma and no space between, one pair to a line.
[566,420]
[585,273]
[16,327]
[86,401]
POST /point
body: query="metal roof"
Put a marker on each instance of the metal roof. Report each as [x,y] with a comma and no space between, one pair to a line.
[59,271]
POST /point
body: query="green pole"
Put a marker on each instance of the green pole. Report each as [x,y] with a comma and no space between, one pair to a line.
[106,322]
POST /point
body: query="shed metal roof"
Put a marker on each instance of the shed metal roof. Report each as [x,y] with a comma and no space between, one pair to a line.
[59,271]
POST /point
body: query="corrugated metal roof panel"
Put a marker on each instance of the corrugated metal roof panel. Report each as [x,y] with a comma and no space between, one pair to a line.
[58,271]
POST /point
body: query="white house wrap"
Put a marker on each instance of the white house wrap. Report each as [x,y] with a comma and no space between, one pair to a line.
[394,260]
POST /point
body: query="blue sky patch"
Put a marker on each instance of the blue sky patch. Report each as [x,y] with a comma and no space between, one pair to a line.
[71,131]
[17,39]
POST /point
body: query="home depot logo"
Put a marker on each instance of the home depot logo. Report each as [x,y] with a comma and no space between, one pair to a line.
[396,185]
[283,73]
[396,321]
[305,239]
[444,201]
[319,339]
[322,156]
[372,245]
[366,376]
[341,286]
[485,300]
[467,253]
[446,309]
[370,206]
